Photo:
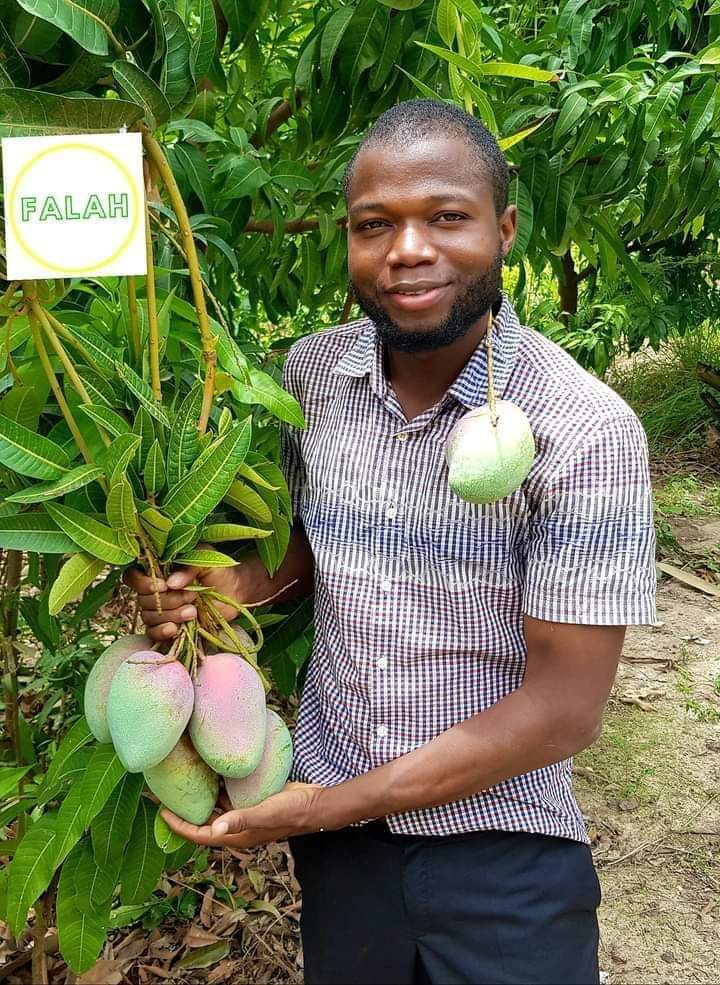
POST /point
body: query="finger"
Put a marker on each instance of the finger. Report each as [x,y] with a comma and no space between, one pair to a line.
[231,823]
[199,835]
[166,631]
[134,578]
[177,616]
[183,576]
[168,600]
[224,802]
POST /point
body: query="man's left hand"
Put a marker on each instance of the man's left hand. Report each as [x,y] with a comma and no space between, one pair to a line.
[293,811]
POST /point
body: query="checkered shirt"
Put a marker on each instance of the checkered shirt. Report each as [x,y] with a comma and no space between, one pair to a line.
[420,596]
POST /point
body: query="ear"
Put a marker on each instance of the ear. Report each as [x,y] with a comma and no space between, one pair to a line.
[507,226]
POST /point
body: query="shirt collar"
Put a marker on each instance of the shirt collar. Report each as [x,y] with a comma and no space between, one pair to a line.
[366,358]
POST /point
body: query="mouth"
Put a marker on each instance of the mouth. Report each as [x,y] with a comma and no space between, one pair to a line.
[417,298]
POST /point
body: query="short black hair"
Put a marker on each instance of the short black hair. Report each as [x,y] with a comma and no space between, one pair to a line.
[416,119]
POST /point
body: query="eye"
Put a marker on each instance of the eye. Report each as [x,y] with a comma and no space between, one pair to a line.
[373,224]
[451,216]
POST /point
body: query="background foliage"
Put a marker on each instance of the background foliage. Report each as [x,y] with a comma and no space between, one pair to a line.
[609,114]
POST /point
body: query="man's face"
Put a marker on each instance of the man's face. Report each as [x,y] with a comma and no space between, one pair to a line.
[425,246]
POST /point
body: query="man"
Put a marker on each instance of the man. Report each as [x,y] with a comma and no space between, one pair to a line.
[463,653]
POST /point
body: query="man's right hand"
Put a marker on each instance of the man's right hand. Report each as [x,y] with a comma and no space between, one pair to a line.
[179,605]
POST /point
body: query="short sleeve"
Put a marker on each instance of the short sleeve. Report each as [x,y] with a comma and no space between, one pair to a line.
[291,458]
[591,550]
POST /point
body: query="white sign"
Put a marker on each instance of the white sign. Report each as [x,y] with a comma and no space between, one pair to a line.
[74,206]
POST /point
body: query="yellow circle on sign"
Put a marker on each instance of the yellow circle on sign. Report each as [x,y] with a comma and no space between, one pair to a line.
[134,200]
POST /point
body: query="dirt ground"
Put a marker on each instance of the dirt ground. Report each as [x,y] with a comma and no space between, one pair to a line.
[649,791]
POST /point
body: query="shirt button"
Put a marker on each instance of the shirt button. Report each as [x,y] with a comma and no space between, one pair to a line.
[403,436]
[391,512]
[382,731]
[382,662]
[386,586]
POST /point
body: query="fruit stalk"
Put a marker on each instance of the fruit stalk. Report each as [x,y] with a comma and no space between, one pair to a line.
[209,355]
[491,384]
[152,312]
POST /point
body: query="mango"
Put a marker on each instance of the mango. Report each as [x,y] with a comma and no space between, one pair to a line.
[100,677]
[184,783]
[487,461]
[228,722]
[271,774]
[242,635]
[148,708]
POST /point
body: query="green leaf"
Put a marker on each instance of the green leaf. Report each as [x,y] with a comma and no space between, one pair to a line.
[701,111]
[91,535]
[75,479]
[165,837]
[192,499]
[401,4]
[196,171]
[177,77]
[143,426]
[10,777]
[265,391]
[143,90]
[95,884]
[154,473]
[520,197]
[184,444]
[205,558]
[216,533]
[245,176]
[332,36]
[660,107]
[181,536]
[86,21]
[158,527]
[142,392]
[604,225]
[75,576]
[103,774]
[120,507]
[70,822]
[81,935]
[245,499]
[28,113]
[144,859]
[480,69]
[422,87]
[206,956]
[13,67]
[77,737]
[118,455]
[30,871]
[72,769]
[93,347]
[572,109]
[204,47]
[28,453]
[34,532]
[246,471]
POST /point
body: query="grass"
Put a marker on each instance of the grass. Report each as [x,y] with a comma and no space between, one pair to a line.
[663,390]
[702,711]
[627,760]
[684,494]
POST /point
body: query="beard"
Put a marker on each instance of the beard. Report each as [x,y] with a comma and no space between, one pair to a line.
[479,296]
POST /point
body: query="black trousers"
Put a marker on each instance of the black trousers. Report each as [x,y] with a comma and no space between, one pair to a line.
[487,907]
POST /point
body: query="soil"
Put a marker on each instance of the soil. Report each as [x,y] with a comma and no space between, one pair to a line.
[649,791]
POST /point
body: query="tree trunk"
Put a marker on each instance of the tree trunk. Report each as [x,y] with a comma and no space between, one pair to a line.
[568,287]
[9,598]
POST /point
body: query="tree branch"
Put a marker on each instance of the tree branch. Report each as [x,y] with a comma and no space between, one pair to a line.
[267,226]
[282,112]
[586,272]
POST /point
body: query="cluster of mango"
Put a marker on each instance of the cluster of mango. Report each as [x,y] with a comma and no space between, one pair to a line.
[184,734]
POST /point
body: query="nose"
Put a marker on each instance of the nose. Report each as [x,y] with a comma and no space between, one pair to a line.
[410,246]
